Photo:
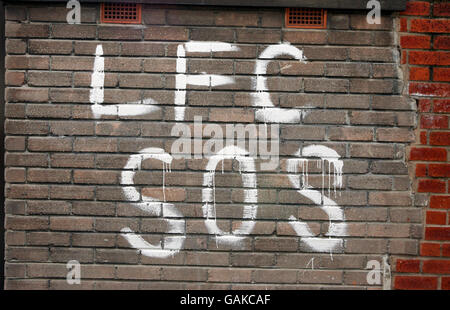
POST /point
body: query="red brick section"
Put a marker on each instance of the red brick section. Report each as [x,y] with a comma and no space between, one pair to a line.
[425,44]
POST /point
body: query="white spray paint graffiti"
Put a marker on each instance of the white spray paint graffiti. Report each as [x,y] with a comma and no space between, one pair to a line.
[268,113]
[246,169]
[211,80]
[97,94]
[152,206]
[337,226]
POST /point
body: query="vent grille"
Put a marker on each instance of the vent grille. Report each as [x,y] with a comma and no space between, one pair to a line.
[121,13]
[306,18]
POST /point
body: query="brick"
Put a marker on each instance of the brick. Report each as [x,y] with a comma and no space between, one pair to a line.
[371,150]
[428,154]
[280,245]
[350,37]
[48,176]
[441,9]
[347,101]
[27,94]
[359,21]
[71,224]
[230,275]
[324,53]
[258,36]
[63,255]
[272,18]
[27,191]
[431,186]
[15,143]
[17,13]
[236,18]
[384,71]
[26,223]
[27,160]
[419,74]
[437,233]
[101,145]
[348,70]
[440,202]
[371,54]
[429,58]
[15,78]
[15,175]
[371,86]
[59,13]
[382,183]
[71,192]
[166,34]
[231,115]
[17,30]
[138,273]
[442,43]
[428,89]
[119,33]
[48,238]
[305,37]
[339,21]
[441,74]
[436,218]
[49,79]
[184,274]
[421,170]
[390,198]
[29,254]
[275,276]
[395,135]
[366,246]
[49,47]
[325,117]
[441,106]
[350,134]
[93,240]
[419,8]
[445,283]
[430,25]
[65,31]
[403,24]
[446,250]
[17,284]
[430,249]
[415,283]
[436,266]
[439,138]
[431,121]
[326,85]
[153,16]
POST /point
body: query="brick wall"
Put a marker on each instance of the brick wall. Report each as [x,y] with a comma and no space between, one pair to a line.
[64,166]
[425,41]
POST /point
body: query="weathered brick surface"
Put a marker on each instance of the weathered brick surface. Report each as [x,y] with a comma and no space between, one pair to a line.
[64,166]
[424,41]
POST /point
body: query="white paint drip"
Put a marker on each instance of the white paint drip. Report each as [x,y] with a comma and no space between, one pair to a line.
[337,226]
[246,165]
[326,155]
[153,206]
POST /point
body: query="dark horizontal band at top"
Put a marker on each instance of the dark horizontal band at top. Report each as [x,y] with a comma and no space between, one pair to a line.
[386,5]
